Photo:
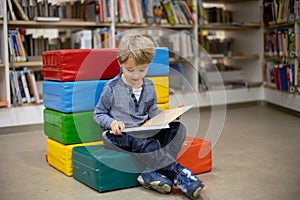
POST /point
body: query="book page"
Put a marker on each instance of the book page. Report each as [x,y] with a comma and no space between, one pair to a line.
[161,120]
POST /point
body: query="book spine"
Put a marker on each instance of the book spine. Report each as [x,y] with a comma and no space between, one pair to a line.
[11,10]
[20,10]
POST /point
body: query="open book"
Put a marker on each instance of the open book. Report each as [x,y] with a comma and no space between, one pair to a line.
[161,120]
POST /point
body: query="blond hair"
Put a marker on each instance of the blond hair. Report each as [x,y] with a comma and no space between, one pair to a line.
[136,46]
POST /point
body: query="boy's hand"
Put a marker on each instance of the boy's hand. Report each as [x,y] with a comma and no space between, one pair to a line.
[116,127]
[179,106]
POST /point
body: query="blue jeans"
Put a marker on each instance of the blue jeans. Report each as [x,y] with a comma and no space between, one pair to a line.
[156,149]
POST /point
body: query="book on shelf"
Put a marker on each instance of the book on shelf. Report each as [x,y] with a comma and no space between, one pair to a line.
[162,120]
[33,87]
[25,86]
[153,11]
[281,42]
[1,10]
[18,10]
[280,11]
[11,11]
[16,46]
[46,19]
[281,76]
[92,10]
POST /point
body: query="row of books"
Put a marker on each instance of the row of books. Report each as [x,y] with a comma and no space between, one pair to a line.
[126,11]
[88,39]
[48,9]
[154,11]
[282,76]
[180,44]
[1,10]
[281,42]
[25,42]
[217,15]
[26,86]
[280,11]
[16,47]
[214,43]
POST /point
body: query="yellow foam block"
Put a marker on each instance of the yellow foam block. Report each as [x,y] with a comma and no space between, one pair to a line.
[59,155]
[163,106]
[161,85]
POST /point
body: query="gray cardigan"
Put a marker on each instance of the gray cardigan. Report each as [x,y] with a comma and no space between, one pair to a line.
[117,102]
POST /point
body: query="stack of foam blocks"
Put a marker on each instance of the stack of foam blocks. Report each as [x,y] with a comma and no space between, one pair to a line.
[73,83]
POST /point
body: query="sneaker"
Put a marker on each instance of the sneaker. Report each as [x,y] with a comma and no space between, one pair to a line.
[188,183]
[152,180]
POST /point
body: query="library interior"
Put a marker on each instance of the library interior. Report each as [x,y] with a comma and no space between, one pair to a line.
[234,63]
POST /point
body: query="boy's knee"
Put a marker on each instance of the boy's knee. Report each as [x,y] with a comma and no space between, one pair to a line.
[179,127]
[151,146]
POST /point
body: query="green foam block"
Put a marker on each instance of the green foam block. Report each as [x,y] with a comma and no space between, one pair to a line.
[104,169]
[71,128]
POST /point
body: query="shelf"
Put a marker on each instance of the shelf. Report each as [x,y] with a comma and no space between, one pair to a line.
[280,25]
[169,26]
[284,99]
[243,57]
[21,115]
[286,92]
[234,26]
[227,1]
[34,61]
[217,97]
[279,58]
[236,57]
[65,23]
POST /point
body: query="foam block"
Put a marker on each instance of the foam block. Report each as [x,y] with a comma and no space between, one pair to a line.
[59,155]
[196,155]
[161,85]
[105,170]
[163,106]
[71,97]
[160,63]
[80,64]
[71,128]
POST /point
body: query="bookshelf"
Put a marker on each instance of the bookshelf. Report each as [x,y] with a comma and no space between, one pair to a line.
[281,54]
[19,115]
[247,54]
[230,31]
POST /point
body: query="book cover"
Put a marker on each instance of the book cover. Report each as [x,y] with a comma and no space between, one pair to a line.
[283,78]
[19,10]
[33,86]
[162,120]
[11,11]
[167,9]
[25,87]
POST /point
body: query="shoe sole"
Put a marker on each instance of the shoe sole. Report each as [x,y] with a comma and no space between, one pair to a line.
[164,189]
[197,193]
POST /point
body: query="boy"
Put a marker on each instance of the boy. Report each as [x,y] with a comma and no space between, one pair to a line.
[128,100]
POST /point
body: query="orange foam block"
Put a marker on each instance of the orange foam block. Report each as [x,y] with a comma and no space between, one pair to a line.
[196,155]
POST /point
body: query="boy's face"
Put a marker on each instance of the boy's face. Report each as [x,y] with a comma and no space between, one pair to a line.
[134,74]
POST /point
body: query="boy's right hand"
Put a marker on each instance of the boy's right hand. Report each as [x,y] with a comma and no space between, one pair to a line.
[117,127]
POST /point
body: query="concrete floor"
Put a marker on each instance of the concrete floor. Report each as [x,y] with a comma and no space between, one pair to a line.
[257,157]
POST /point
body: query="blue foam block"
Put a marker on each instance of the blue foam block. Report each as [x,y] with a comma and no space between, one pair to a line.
[160,63]
[69,97]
